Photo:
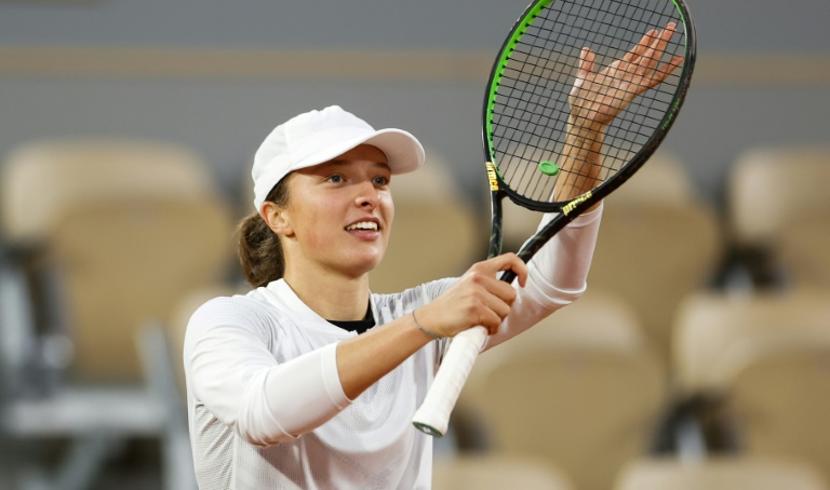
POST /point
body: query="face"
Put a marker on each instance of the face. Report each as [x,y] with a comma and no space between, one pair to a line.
[339,213]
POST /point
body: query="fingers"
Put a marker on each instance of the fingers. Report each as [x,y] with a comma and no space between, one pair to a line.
[654,53]
[504,262]
[494,297]
[665,70]
[586,63]
[493,304]
[503,291]
[641,47]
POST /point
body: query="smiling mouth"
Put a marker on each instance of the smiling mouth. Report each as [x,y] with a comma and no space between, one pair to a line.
[363,226]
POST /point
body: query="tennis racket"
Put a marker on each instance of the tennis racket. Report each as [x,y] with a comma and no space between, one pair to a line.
[579,97]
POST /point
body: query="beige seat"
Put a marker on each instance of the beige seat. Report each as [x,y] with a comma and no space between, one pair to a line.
[770,186]
[779,204]
[768,357]
[563,391]
[657,244]
[496,473]
[716,333]
[435,234]
[121,230]
[719,474]
[804,249]
[128,226]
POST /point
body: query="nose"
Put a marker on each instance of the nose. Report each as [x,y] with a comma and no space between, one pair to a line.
[367,196]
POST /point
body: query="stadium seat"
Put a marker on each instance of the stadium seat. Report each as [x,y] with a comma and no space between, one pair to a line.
[766,356]
[563,391]
[118,230]
[719,474]
[713,330]
[496,473]
[657,244]
[128,228]
[780,209]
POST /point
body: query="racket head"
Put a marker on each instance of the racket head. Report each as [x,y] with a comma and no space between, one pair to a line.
[526,105]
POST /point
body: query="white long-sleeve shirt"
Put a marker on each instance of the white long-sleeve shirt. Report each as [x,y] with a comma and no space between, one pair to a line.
[265,403]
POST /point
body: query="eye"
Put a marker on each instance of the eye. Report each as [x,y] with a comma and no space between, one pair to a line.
[335,178]
[381,180]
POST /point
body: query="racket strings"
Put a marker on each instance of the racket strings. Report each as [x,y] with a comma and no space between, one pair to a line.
[531,107]
[569,175]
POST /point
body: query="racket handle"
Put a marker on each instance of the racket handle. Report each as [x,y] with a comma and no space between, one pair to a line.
[434,414]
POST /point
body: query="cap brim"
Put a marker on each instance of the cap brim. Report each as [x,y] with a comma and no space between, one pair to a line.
[404,153]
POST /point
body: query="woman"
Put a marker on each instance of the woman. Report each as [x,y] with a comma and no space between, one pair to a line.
[310,380]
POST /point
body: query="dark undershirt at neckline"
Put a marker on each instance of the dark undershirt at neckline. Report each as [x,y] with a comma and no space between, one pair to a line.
[358,326]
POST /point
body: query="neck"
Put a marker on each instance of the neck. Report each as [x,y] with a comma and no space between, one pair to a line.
[330,294]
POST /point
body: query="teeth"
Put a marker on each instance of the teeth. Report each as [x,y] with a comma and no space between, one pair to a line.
[363,225]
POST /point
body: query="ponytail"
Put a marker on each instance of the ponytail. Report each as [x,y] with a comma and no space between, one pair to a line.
[260,251]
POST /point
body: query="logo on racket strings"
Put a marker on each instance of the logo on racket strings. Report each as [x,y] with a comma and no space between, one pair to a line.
[567,208]
[491,176]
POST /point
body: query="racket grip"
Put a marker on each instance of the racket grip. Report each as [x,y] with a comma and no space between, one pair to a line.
[434,414]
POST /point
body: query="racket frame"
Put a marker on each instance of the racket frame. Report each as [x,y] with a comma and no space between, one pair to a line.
[433,416]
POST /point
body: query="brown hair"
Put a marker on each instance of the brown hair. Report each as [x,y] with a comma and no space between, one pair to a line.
[260,251]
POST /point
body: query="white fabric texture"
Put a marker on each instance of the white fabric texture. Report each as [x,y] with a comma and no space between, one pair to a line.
[265,405]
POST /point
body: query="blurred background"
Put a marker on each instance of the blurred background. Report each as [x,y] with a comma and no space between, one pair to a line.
[700,358]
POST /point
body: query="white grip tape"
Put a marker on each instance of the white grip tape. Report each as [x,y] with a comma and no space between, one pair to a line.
[434,414]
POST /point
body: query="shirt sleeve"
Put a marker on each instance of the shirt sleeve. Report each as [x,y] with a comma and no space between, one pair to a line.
[556,275]
[231,370]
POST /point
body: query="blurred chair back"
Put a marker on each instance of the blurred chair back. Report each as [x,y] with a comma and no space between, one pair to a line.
[657,244]
[435,233]
[129,226]
[719,474]
[496,473]
[769,187]
[563,391]
[780,398]
[769,358]
[713,331]
[804,249]
[779,206]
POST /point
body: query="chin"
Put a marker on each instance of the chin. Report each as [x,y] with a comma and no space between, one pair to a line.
[364,265]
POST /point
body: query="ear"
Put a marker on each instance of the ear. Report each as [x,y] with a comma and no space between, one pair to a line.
[277,218]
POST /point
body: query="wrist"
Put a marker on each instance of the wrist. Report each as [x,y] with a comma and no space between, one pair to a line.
[426,331]
[583,128]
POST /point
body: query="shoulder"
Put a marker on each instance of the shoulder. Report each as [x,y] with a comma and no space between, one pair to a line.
[237,307]
[244,313]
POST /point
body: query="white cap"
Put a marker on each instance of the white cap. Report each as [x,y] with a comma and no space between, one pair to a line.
[316,137]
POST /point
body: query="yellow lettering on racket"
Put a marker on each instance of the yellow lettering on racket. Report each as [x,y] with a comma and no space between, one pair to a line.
[491,176]
[567,208]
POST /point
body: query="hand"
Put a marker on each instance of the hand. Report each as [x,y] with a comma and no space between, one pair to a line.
[597,97]
[477,299]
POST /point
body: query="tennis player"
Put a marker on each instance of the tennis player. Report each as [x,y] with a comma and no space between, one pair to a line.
[310,380]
